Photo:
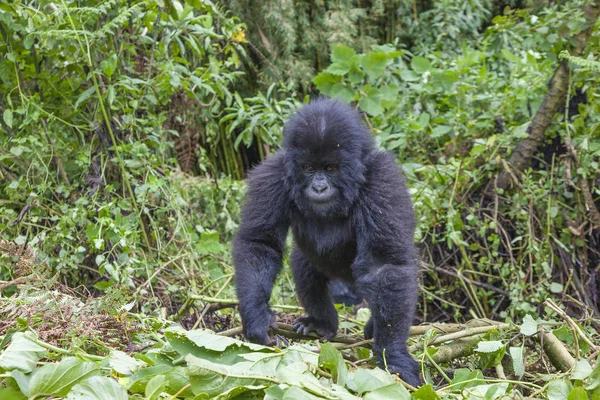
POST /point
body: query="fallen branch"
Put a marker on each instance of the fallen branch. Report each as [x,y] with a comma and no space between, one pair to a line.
[558,354]
[341,342]
[550,304]
[458,349]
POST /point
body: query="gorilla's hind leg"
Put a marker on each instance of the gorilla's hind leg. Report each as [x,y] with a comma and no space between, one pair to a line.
[312,288]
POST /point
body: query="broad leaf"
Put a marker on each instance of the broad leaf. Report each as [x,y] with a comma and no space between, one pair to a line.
[516,353]
[58,378]
[420,65]
[22,353]
[343,92]
[578,393]
[529,326]
[391,392]
[338,68]
[582,370]
[98,388]
[426,393]
[489,346]
[342,54]
[8,117]
[558,389]
[331,360]
[123,363]
[374,63]
[155,387]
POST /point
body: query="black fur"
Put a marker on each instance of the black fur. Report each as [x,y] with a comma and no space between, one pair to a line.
[358,227]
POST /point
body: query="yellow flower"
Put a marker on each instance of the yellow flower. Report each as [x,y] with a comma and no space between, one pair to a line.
[239,36]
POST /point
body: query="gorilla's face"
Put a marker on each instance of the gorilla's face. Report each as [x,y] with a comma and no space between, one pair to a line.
[320,183]
[319,189]
[324,180]
[327,147]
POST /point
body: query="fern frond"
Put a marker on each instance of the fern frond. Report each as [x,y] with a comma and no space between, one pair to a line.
[119,20]
[588,65]
[100,9]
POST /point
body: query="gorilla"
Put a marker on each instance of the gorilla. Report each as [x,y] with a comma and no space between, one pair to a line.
[352,219]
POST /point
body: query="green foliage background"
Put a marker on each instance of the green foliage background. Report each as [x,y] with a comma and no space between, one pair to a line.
[126,129]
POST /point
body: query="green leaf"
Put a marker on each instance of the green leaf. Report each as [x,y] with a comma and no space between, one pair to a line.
[297,374]
[578,393]
[426,393]
[420,65]
[368,380]
[8,117]
[324,81]
[17,150]
[338,68]
[109,65]
[516,353]
[556,287]
[529,326]
[209,243]
[11,394]
[331,360]
[213,379]
[355,75]
[22,353]
[492,353]
[593,381]
[123,363]
[440,130]
[486,392]
[85,95]
[342,54]
[155,387]
[98,388]
[371,103]
[391,392]
[558,389]
[137,382]
[489,346]
[374,63]
[58,378]
[343,92]
[466,375]
[582,370]
[409,76]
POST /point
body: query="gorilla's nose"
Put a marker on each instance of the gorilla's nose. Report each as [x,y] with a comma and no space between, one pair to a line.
[320,187]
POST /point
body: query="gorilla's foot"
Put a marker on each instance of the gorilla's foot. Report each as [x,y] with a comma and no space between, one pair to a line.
[324,329]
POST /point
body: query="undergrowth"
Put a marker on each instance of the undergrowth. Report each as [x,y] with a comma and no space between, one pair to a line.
[127,126]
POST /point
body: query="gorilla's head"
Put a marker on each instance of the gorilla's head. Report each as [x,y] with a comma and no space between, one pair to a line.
[326,149]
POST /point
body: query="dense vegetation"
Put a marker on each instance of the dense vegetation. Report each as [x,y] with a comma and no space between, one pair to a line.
[126,129]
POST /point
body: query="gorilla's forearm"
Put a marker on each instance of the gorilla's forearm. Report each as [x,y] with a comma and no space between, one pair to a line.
[256,266]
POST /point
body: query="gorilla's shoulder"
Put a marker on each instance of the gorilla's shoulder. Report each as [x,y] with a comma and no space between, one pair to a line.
[385,199]
[382,170]
[271,171]
[266,202]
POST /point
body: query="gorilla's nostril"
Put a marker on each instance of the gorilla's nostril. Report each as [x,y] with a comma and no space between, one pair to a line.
[319,188]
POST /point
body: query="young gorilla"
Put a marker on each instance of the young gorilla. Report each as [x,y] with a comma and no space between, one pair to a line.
[352,219]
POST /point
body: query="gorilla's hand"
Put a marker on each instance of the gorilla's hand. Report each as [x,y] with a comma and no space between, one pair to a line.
[325,329]
[256,329]
[369,329]
[399,361]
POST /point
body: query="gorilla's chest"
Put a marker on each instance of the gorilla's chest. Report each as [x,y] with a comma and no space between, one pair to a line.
[329,245]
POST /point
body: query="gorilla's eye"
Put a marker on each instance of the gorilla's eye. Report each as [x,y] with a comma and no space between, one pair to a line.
[309,169]
[330,168]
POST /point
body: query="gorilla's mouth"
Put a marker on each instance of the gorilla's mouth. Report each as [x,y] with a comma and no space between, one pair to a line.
[320,199]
